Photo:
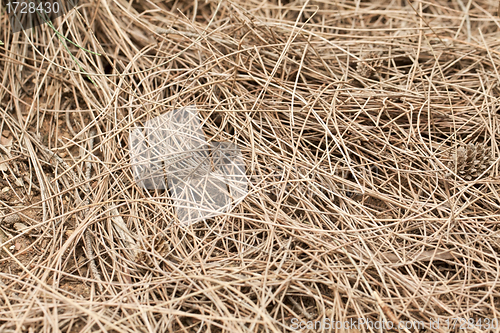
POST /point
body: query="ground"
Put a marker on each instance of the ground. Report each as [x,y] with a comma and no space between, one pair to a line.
[368,137]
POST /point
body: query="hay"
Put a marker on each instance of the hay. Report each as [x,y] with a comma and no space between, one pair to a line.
[350,116]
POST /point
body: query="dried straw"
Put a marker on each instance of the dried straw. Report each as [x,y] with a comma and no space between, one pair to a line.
[350,116]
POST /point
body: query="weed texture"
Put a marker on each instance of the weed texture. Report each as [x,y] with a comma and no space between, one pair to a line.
[368,134]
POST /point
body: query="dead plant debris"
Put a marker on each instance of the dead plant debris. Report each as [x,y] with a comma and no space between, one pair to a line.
[350,115]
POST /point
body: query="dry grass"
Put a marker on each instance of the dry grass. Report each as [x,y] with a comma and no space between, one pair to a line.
[352,118]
